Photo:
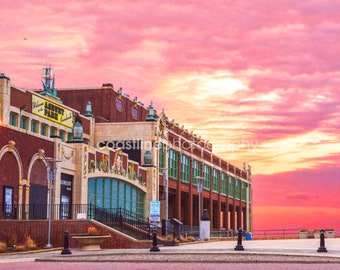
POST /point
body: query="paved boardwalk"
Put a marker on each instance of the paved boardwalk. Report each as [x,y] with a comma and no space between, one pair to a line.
[222,252]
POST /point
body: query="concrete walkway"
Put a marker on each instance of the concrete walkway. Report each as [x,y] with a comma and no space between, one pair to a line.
[266,251]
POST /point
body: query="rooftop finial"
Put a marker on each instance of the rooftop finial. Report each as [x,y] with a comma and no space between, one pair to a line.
[151,113]
[88,110]
[48,83]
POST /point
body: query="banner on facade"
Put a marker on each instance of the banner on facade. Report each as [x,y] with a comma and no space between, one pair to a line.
[52,111]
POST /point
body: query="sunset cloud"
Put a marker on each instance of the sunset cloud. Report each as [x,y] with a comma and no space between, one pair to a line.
[258,79]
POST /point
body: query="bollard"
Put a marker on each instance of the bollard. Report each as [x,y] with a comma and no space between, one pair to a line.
[239,240]
[322,247]
[66,249]
[154,242]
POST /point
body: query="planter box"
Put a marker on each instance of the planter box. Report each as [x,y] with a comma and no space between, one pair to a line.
[91,242]
[303,235]
[330,234]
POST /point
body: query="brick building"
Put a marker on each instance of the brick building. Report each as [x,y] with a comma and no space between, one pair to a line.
[127,155]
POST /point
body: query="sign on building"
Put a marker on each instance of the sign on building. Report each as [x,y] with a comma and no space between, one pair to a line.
[52,111]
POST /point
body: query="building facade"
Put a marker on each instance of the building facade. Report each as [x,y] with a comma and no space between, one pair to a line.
[126,156]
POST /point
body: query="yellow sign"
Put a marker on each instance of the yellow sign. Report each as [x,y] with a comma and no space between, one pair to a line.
[52,111]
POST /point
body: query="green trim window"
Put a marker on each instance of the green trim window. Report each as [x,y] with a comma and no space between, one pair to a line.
[231,187]
[62,135]
[13,119]
[161,157]
[43,129]
[173,164]
[111,193]
[207,175]
[223,183]
[34,126]
[244,191]
[24,122]
[237,187]
[185,168]
[53,131]
[196,165]
[69,136]
[215,180]
[249,194]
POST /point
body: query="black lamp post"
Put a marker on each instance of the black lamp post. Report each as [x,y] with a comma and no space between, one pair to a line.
[51,177]
[199,190]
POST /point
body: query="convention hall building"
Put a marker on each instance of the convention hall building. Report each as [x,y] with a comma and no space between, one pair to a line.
[84,147]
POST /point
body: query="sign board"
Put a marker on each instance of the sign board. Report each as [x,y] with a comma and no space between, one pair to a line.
[199,187]
[155,213]
[52,111]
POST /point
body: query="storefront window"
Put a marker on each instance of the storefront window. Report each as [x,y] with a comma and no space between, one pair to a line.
[112,193]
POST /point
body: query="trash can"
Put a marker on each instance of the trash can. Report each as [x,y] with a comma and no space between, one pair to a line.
[177,228]
[248,236]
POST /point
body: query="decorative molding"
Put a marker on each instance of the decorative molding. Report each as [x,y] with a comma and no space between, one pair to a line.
[10,148]
[67,157]
[85,161]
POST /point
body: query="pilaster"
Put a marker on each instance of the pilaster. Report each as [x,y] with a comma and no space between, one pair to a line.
[5,98]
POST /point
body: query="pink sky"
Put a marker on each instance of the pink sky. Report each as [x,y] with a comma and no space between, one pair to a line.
[259,79]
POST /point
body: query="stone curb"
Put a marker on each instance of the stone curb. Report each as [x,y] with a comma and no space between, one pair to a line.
[194,257]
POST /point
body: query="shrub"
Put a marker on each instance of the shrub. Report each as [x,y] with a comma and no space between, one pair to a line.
[191,239]
[13,240]
[30,244]
[3,247]
[183,239]
[20,248]
[91,230]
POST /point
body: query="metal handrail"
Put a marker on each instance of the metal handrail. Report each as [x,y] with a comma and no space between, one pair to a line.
[123,220]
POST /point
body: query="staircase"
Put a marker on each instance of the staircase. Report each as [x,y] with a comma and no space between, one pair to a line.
[122,220]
